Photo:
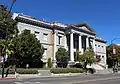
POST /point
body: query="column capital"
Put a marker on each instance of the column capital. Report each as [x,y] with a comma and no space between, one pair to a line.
[64,34]
[88,36]
[85,36]
[71,32]
[92,37]
[80,34]
[53,31]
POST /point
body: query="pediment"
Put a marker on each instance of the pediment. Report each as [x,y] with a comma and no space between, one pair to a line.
[85,27]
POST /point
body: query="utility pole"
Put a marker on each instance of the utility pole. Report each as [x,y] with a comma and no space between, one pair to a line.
[6,38]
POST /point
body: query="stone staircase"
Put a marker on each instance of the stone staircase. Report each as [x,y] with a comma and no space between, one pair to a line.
[96,67]
[44,73]
[105,71]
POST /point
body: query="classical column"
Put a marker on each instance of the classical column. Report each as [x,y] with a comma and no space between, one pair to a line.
[87,42]
[65,42]
[54,57]
[71,48]
[80,43]
[93,45]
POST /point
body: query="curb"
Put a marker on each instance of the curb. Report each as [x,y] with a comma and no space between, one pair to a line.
[7,78]
[51,76]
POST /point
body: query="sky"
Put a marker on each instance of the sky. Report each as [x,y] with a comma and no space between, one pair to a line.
[101,15]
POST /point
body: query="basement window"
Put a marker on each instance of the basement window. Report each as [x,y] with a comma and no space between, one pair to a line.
[36,32]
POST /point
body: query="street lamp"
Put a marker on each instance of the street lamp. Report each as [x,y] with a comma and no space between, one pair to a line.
[12,5]
[114,52]
[13,1]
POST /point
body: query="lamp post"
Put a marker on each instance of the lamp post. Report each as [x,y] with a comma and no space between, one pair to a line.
[114,52]
[3,65]
[12,5]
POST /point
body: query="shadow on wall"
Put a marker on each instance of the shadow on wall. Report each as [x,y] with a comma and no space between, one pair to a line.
[19,64]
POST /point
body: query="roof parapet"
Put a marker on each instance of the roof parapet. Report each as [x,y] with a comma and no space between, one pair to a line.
[41,21]
[100,39]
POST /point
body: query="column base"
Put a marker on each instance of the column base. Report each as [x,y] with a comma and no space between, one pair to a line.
[82,51]
[54,64]
[71,63]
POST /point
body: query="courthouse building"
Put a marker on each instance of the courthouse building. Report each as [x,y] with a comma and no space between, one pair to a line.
[73,37]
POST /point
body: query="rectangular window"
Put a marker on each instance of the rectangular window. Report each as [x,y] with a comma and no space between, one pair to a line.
[83,42]
[37,35]
[45,52]
[98,45]
[59,39]
[45,36]
[27,30]
[36,32]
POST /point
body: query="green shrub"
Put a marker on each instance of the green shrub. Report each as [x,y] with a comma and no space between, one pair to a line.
[66,70]
[24,71]
[49,63]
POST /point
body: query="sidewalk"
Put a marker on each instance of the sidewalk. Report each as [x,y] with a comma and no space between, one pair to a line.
[36,75]
[22,76]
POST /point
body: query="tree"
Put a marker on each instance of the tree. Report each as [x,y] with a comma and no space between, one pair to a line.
[77,55]
[8,26]
[6,47]
[62,56]
[8,29]
[87,57]
[27,48]
[111,57]
[49,63]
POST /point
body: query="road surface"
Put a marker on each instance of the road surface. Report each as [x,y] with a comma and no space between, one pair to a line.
[81,79]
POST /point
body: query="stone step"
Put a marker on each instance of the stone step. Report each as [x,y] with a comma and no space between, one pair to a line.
[105,71]
[44,72]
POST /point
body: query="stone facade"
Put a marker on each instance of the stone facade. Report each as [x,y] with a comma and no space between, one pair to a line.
[52,35]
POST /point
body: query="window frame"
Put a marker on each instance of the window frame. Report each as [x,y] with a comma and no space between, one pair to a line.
[59,39]
[45,37]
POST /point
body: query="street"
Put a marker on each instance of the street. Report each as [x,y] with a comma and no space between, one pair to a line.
[81,79]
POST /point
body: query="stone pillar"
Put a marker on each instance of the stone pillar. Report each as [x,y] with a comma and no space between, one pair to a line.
[105,57]
[71,48]
[80,43]
[65,42]
[87,42]
[54,52]
[94,45]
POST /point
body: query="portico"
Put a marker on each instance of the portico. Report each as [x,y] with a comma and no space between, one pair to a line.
[79,42]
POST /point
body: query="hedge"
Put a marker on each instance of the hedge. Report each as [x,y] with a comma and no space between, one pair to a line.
[66,70]
[24,71]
